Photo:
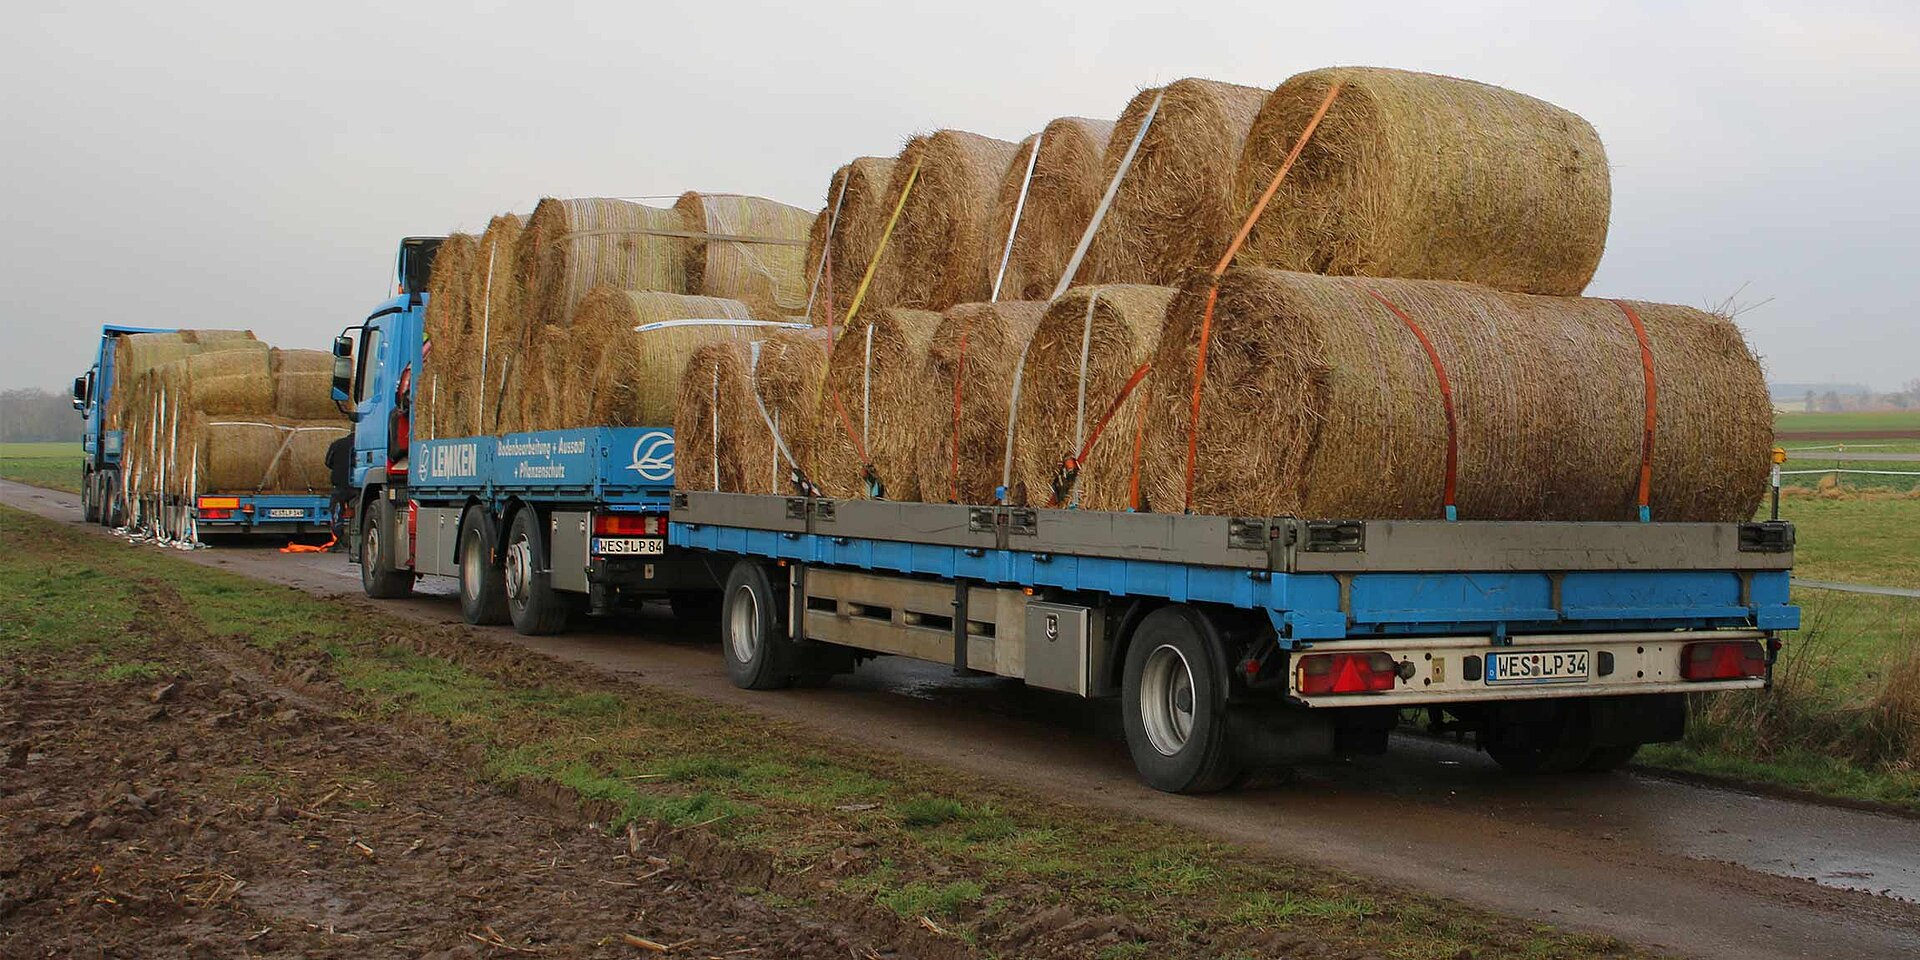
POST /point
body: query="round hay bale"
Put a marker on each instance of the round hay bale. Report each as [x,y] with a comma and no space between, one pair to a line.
[304,465]
[631,346]
[446,330]
[1320,402]
[1420,176]
[871,390]
[135,354]
[547,393]
[962,425]
[495,299]
[860,190]
[1061,197]
[933,260]
[238,381]
[711,419]
[770,277]
[1117,326]
[569,247]
[786,374]
[303,385]
[1177,208]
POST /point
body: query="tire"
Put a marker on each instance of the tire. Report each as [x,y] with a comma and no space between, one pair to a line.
[696,607]
[1603,759]
[1561,746]
[483,586]
[753,635]
[1174,703]
[112,513]
[90,497]
[380,573]
[533,606]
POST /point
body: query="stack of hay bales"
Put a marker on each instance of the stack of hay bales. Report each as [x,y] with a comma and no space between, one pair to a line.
[221,412]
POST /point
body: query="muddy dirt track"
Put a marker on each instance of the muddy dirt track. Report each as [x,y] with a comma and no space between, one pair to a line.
[1695,870]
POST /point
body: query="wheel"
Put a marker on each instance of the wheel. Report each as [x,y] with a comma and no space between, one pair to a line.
[483,586]
[1174,703]
[532,604]
[1603,759]
[90,497]
[1558,745]
[380,575]
[112,512]
[696,607]
[753,636]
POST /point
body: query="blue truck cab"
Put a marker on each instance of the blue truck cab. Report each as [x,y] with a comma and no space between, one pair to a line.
[536,527]
[100,493]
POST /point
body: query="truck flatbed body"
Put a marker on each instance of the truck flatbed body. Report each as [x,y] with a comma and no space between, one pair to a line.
[1314,580]
[614,467]
[278,513]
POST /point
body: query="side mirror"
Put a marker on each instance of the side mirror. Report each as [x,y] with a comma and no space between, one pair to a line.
[80,393]
[342,369]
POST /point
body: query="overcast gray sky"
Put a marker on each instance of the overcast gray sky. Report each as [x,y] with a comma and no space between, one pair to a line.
[251,164]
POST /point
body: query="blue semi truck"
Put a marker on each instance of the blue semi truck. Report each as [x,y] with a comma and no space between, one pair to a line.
[1230,643]
[105,500]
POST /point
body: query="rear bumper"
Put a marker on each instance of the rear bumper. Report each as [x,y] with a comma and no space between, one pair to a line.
[1442,670]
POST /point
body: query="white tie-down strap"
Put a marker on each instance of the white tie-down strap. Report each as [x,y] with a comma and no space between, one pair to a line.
[1019,207]
[486,326]
[713,418]
[1080,398]
[1013,417]
[866,395]
[1106,199]
[780,448]
[826,248]
[721,322]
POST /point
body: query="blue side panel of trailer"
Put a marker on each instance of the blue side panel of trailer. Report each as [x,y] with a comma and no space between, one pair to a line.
[618,467]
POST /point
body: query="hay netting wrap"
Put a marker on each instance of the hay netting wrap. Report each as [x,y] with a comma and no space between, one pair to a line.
[448,334]
[962,424]
[766,270]
[1176,209]
[303,385]
[239,454]
[934,259]
[1061,195]
[136,354]
[872,388]
[859,191]
[1088,345]
[236,380]
[1319,401]
[570,247]
[1414,175]
[630,347]
[500,330]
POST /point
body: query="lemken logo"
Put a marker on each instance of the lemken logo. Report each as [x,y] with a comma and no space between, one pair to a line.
[455,460]
[653,456]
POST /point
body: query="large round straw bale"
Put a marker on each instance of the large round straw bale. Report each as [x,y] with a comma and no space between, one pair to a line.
[768,273]
[711,419]
[631,346]
[1176,210]
[304,465]
[235,454]
[859,189]
[502,331]
[238,381]
[570,247]
[1062,399]
[1422,176]
[962,425]
[135,354]
[786,374]
[933,259]
[1061,197]
[547,393]
[446,329]
[1320,402]
[303,385]
[872,387]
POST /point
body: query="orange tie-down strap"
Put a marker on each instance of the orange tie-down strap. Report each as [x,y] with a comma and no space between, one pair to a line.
[1069,471]
[308,547]
[1446,397]
[1652,406]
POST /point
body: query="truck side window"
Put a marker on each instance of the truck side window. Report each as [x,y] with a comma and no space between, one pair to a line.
[368,365]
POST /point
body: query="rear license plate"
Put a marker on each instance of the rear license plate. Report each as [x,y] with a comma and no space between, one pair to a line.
[1538,666]
[629,546]
[285,513]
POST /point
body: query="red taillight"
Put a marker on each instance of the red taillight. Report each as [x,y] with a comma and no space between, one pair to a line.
[207,514]
[1723,660]
[1366,672]
[629,525]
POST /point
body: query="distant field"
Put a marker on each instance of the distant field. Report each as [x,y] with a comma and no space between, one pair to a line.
[52,465]
[1856,540]
[1840,424]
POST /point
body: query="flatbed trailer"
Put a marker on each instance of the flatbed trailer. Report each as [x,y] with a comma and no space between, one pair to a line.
[1240,642]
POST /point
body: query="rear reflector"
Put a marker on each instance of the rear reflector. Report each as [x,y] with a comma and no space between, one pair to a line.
[629,525]
[1370,671]
[219,503]
[1723,660]
[209,514]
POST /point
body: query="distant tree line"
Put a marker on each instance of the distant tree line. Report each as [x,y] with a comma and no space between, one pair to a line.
[34,414]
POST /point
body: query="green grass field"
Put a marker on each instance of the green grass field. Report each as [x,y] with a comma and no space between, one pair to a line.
[1858,539]
[52,465]
[1846,422]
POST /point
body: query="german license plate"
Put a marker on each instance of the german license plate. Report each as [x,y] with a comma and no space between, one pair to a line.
[285,513]
[629,546]
[1538,666]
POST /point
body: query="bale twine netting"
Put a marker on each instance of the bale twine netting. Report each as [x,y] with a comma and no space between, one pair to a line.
[872,387]
[631,346]
[753,250]
[238,380]
[1087,348]
[447,333]
[846,233]
[1321,398]
[734,397]
[934,258]
[502,333]
[303,385]
[962,423]
[236,454]
[1421,176]
[1062,188]
[1176,208]
[570,247]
